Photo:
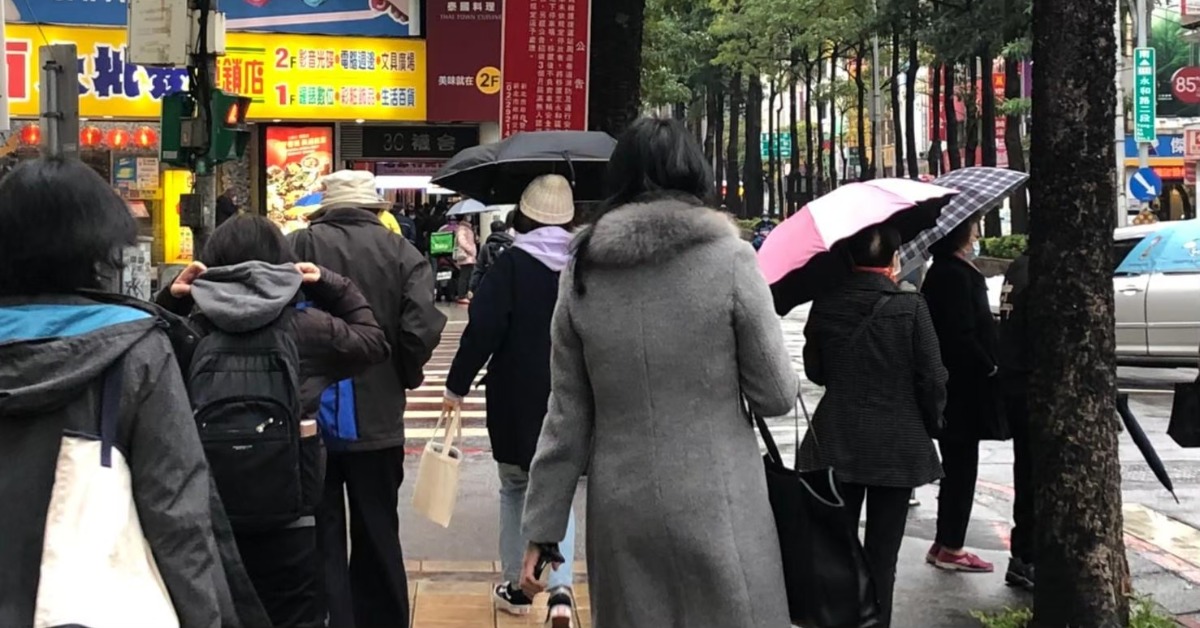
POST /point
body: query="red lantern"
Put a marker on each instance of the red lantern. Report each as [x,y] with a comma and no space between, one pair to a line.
[90,136]
[31,135]
[117,138]
[145,137]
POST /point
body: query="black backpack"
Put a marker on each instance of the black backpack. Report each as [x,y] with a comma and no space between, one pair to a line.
[245,393]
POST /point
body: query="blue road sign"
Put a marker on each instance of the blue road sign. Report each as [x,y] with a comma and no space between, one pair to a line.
[1145,185]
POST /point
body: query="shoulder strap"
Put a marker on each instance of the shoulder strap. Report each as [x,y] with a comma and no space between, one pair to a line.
[862,327]
[110,406]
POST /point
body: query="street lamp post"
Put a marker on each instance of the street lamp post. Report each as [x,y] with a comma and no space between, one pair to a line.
[877,99]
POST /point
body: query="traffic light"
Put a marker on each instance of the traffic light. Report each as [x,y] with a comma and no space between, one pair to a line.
[229,136]
[178,141]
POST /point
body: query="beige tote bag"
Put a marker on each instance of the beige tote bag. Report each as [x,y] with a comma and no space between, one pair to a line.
[97,568]
[436,491]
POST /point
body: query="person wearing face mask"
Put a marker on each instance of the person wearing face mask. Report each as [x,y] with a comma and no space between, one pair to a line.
[958,302]
[873,347]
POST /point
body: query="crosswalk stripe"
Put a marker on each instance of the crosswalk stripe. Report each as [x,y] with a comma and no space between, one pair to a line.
[427,432]
[434,414]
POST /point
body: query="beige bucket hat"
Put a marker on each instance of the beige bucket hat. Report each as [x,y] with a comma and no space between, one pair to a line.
[352,188]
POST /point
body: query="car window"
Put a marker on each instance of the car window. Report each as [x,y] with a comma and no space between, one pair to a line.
[1121,250]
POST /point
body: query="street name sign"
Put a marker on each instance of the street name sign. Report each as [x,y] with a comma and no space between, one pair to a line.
[1145,95]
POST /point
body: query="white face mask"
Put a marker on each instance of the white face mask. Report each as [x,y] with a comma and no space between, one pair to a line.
[976,249]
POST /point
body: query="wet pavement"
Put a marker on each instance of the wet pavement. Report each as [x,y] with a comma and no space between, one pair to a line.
[1162,536]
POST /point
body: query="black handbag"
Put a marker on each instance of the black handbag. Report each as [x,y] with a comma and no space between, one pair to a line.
[1185,415]
[825,569]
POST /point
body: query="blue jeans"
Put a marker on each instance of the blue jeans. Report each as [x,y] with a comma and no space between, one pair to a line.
[513,482]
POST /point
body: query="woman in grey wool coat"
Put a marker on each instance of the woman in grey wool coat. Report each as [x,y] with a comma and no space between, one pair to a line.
[663,323]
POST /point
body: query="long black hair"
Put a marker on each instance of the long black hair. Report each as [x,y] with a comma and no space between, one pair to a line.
[653,157]
[62,228]
[247,238]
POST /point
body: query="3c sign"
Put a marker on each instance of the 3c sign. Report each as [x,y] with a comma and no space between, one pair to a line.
[488,80]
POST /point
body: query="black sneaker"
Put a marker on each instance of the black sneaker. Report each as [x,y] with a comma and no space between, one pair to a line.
[510,600]
[1020,574]
[560,608]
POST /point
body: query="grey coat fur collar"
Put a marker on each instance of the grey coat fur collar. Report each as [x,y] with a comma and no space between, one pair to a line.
[655,231]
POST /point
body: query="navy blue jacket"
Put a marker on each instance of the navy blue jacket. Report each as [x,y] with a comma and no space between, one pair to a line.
[510,332]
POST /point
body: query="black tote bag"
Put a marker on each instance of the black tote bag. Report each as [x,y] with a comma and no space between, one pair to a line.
[825,569]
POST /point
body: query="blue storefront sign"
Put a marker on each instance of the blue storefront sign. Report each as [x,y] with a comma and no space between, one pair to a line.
[1166,146]
[376,18]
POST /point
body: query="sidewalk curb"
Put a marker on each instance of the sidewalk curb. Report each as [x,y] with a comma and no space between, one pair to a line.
[1179,567]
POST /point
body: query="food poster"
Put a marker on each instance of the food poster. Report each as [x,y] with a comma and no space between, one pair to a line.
[296,160]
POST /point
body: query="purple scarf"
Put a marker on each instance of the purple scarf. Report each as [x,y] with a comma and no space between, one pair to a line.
[549,245]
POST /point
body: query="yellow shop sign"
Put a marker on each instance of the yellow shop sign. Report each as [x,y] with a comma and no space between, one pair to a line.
[288,77]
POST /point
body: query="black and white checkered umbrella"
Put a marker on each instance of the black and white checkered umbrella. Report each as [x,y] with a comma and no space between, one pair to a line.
[981,189]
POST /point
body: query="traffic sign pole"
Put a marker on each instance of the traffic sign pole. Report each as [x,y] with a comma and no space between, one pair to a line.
[1145,86]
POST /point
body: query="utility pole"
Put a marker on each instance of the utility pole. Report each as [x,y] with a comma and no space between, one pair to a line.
[1119,148]
[205,185]
[59,106]
[876,99]
[1143,28]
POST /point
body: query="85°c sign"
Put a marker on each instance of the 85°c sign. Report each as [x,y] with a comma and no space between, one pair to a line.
[1185,85]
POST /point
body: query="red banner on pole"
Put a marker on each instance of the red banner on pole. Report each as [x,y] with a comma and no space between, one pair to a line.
[545,63]
[463,49]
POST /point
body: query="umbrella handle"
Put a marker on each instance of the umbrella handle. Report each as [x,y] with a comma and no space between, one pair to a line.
[571,167]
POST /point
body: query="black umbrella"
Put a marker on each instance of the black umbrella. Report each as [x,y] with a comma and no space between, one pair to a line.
[1143,443]
[498,173]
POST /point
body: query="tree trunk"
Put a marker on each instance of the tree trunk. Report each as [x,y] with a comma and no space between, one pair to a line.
[753,172]
[616,65]
[897,127]
[866,169]
[794,176]
[910,103]
[1083,576]
[833,133]
[710,124]
[972,144]
[733,200]
[772,148]
[719,135]
[809,157]
[820,158]
[988,110]
[948,98]
[935,132]
[1018,203]
[992,225]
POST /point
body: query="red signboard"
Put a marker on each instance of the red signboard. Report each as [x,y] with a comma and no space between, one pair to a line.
[1185,85]
[545,65]
[463,52]
[296,159]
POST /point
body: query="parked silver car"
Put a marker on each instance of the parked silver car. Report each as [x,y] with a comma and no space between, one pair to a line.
[1157,284]
[1156,281]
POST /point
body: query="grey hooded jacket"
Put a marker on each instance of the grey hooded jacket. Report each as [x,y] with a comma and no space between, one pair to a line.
[53,351]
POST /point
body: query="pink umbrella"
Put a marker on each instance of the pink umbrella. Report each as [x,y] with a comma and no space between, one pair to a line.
[795,257]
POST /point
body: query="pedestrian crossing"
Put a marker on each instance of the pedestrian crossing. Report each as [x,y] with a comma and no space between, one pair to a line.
[425,403]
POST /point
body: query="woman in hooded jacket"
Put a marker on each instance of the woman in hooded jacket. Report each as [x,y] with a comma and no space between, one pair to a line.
[249,272]
[509,330]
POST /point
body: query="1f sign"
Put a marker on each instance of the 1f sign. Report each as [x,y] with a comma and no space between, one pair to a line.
[1145,95]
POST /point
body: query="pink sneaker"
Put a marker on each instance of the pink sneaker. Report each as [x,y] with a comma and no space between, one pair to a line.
[932,555]
[965,562]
